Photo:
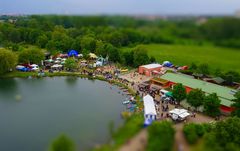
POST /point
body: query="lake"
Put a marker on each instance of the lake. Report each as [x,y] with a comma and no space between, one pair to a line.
[33,112]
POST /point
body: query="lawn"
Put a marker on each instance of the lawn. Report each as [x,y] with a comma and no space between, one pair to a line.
[217,57]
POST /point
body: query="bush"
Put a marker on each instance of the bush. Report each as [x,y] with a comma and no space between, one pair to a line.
[62,143]
[190,133]
[193,132]
[189,72]
[160,136]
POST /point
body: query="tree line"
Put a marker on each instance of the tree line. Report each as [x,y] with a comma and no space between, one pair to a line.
[210,102]
[68,32]
[220,136]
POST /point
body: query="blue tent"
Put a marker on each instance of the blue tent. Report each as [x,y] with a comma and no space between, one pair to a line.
[72,53]
[167,64]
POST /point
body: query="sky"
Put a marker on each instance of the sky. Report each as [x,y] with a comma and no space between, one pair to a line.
[120,7]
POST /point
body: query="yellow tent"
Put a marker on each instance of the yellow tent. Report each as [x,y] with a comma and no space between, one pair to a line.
[93,56]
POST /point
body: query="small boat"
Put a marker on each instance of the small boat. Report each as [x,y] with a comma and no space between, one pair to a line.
[129,106]
[126,102]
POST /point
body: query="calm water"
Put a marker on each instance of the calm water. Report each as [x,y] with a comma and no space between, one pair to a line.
[33,112]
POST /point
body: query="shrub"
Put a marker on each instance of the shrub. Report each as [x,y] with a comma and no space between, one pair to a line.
[193,132]
[160,136]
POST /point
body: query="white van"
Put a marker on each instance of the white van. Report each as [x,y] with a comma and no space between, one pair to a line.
[163,92]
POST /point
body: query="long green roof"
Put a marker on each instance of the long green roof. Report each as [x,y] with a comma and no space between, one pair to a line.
[225,94]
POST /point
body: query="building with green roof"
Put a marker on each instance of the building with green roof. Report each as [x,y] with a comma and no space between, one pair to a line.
[225,94]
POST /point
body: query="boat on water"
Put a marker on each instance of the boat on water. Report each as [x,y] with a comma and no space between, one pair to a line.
[126,102]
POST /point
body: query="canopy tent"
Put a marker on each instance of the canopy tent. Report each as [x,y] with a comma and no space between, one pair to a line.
[72,53]
[93,56]
[167,64]
[179,114]
[57,66]
[149,107]
[49,60]
[169,94]
[80,55]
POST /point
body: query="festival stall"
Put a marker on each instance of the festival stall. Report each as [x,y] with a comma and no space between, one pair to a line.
[179,114]
[149,108]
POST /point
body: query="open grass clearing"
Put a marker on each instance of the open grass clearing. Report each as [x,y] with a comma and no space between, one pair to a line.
[216,57]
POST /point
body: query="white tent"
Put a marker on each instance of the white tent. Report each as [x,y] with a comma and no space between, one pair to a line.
[149,107]
[56,66]
[179,114]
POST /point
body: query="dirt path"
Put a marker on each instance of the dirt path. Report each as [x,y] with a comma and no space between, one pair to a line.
[137,143]
[180,142]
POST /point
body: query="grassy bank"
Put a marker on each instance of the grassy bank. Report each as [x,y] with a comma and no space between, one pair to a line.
[217,57]
[131,127]
[17,74]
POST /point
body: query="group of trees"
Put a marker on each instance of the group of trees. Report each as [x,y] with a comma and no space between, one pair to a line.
[210,102]
[193,132]
[197,98]
[136,57]
[79,32]
[9,59]
[31,56]
[220,136]
[224,136]
[160,136]
[236,105]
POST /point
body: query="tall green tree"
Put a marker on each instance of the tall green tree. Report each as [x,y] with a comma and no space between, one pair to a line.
[211,105]
[140,56]
[8,60]
[156,139]
[88,43]
[31,56]
[195,98]
[42,41]
[85,53]
[225,136]
[152,59]
[179,92]
[62,143]
[101,49]
[193,132]
[113,53]
[128,58]
[71,64]
[236,105]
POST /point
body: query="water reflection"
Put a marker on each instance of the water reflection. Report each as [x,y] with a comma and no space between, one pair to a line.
[9,90]
[71,81]
[8,85]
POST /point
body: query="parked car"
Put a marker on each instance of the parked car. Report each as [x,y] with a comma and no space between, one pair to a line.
[34,67]
[23,69]
[19,67]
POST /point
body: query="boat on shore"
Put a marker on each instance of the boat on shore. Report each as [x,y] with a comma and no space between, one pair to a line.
[126,102]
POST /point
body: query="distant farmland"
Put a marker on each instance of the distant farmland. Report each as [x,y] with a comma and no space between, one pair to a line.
[216,57]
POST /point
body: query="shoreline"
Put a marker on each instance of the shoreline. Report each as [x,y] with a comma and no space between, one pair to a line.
[63,74]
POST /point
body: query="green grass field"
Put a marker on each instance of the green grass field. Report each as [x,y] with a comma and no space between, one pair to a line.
[217,57]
